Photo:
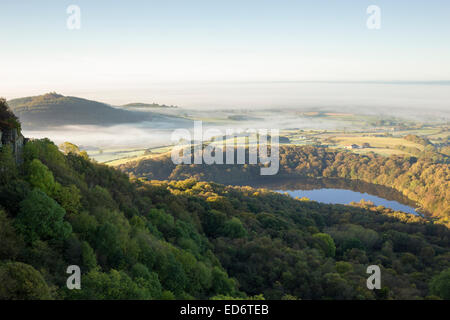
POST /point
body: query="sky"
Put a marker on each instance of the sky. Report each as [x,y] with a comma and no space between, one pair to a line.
[126,47]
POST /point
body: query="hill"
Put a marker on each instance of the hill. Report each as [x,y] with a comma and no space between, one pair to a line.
[52,109]
[147,105]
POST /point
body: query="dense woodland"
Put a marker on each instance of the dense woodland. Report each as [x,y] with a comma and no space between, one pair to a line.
[190,239]
[421,179]
[136,239]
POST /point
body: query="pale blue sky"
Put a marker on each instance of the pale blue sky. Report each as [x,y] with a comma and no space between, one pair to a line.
[130,44]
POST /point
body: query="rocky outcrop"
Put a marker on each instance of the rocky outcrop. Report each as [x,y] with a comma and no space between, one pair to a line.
[15,139]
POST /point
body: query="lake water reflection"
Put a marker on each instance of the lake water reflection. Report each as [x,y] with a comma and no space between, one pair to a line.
[339,191]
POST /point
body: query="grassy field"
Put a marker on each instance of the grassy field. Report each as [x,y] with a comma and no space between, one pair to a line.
[381,151]
[106,155]
[385,146]
[154,152]
[383,136]
[377,142]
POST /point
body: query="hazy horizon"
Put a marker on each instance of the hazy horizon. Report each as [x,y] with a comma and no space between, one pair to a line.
[160,51]
[363,97]
[231,56]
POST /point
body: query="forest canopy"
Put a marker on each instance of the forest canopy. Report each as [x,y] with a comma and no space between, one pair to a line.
[191,239]
[422,180]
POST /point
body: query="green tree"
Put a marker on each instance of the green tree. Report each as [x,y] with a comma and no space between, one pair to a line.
[88,257]
[172,274]
[167,295]
[147,280]
[8,120]
[10,242]
[68,147]
[221,284]
[213,222]
[440,285]
[47,152]
[69,198]
[114,285]
[234,228]
[8,169]
[164,222]
[41,217]
[343,267]
[20,281]
[41,177]
[325,243]
[108,244]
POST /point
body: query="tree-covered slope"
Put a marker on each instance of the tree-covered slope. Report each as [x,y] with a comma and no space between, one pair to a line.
[190,239]
[422,180]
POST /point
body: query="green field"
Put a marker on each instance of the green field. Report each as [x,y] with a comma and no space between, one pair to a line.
[370,134]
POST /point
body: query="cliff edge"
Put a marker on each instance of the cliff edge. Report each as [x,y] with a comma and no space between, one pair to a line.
[10,131]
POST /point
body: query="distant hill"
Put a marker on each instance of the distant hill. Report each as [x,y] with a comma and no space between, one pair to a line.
[243,118]
[147,105]
[52,109]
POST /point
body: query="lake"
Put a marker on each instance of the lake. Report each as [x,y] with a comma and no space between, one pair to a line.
[340,191]
[339,196]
